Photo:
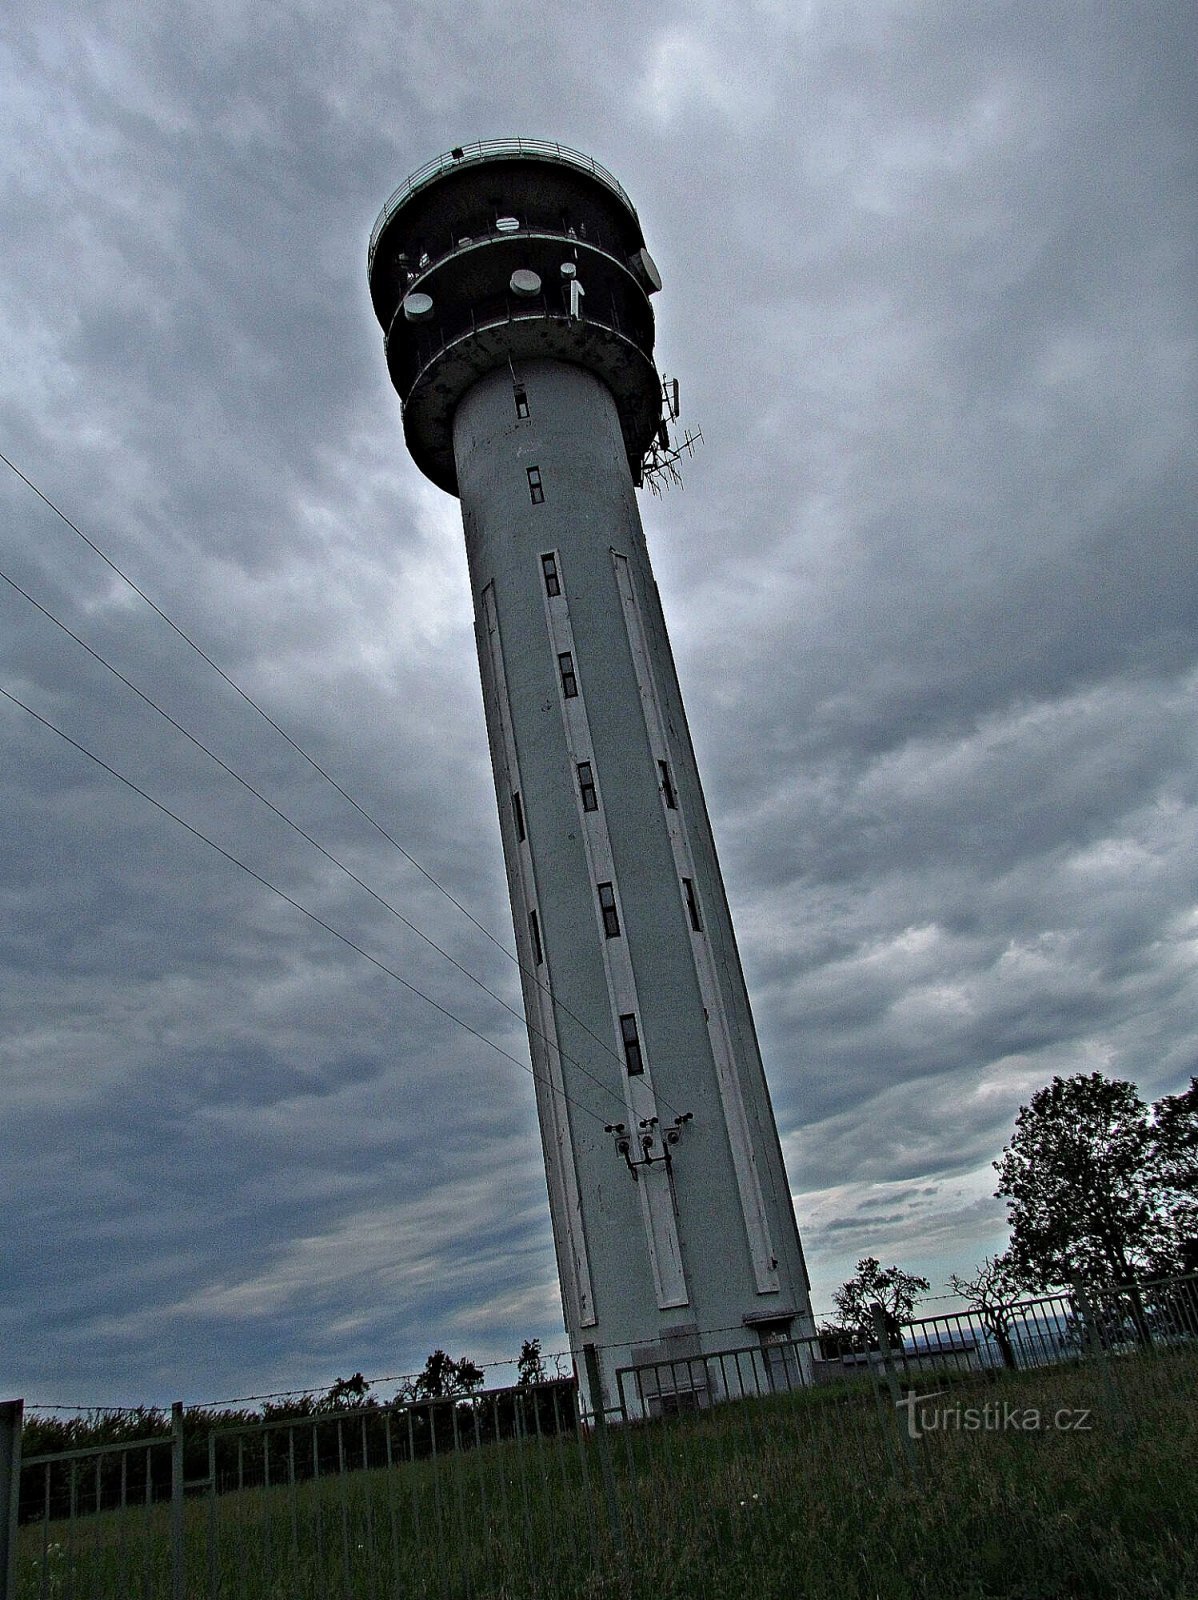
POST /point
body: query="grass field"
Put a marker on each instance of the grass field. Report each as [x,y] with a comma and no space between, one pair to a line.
[809,1494]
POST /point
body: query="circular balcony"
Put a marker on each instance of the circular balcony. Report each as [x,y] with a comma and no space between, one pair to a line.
[489,150]
[509,250]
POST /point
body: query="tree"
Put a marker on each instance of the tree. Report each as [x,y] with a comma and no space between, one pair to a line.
[346,1393]
[442,1376]
[1173,1170]
[530,1368]
[469,1376]
[890,1287]
[989,1294]
[1075,1178]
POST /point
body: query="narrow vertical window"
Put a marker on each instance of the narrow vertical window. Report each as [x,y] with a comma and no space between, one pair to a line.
[607,905]
[586,787]
[667,787]
[535,487]
[521,398]
[518,816]
[553,584]
[630,1039]
[534,929]
[692,905]
[569,682]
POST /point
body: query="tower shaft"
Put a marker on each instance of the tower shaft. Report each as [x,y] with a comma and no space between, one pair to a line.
[617,899]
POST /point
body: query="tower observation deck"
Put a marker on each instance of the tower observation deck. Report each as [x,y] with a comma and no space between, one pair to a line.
[513,286]
[465,275]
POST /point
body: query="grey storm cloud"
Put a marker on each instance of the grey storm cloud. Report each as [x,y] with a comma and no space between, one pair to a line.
[929,289]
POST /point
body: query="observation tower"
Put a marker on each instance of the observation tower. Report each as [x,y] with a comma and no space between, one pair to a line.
[513,287]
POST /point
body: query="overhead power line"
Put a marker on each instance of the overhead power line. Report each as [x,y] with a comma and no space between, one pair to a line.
[303,834]
[283,895]
[546,1355]
[529,972]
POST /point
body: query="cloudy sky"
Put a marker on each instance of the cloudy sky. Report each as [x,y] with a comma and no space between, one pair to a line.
[929,289]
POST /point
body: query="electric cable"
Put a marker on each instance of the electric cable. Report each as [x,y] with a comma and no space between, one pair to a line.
[546,1355]
[328,855]
[1031,1304]
[529,972]
[311,915]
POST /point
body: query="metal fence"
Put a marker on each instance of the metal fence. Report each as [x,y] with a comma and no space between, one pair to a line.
[102,1519]
[1021,1336]
[526,1492]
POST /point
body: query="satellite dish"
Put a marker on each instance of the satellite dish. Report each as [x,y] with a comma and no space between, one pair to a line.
[525,282]
[644,263]
[507,224]
[418,307]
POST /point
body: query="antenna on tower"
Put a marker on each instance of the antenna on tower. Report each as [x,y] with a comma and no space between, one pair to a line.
[659,466]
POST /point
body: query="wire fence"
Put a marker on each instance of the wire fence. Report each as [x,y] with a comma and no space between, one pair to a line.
[808,1467]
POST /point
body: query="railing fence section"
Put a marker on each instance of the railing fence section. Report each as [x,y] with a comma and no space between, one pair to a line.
[705,1458]
[105,1518]
[11,1420]
[489,148]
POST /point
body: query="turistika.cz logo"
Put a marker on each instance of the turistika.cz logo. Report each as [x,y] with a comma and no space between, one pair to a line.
[996,1416]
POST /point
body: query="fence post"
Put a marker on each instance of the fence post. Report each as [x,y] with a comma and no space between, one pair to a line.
[1094,1342]
[177,1501]
[12,1413]
[590,1358]
[883,1338]
[211,1529]
[1097,1345]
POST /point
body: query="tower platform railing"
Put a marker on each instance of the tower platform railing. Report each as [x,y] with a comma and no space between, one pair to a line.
[487,150]
[428,341]
[593,243]
[614,350]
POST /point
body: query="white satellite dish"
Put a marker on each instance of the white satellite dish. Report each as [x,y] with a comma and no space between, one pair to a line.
[644,263]
[525,282]
[418,307]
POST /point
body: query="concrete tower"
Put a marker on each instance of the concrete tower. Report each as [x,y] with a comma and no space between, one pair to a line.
[512,283]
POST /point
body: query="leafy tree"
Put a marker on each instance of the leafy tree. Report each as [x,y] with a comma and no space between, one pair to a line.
[346,1393]
[530,1368]
[1173,1169]
[442,1376]
[989,1295]
[470,1377]
[890,1287]
[1075,1178]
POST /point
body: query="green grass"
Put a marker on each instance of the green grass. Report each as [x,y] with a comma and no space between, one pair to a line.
[805,1495]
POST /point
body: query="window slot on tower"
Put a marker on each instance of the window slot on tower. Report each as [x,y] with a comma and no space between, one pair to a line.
[518,814]
[521,397]
[534,928]
[535,487]
[569,682]
[692,905]
[553,584]
[607,905]
[586,787]
[632,1045]
[667,786]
